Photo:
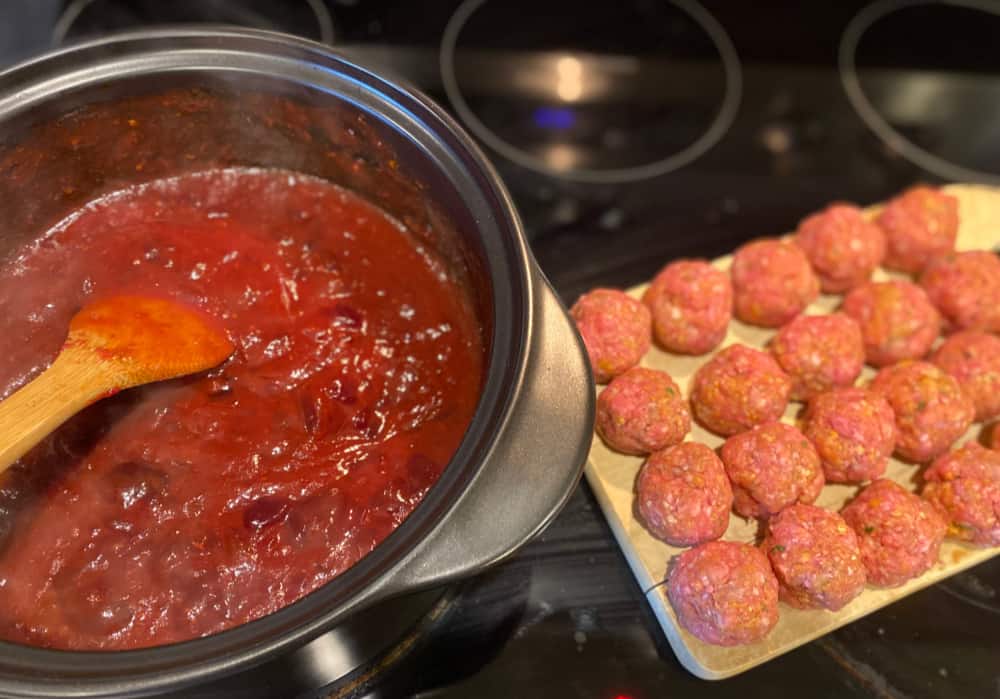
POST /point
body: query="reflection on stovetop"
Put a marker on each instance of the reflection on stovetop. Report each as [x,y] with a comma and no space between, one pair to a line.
[581,90]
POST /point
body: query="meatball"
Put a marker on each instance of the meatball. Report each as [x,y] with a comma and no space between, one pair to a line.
[771,467]
[815,556]
[899,533]
[854,432]
[616,329]
[819,353]
[683,495]
[897,320]
[772,282]
[964,486]
[692,304]
[965,287]
[973,358]
[843,246]
[642,411]
[931,409]
[738,388]
[991,436]
[919,225]
[724,593]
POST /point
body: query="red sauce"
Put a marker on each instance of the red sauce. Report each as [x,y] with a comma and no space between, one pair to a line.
[187,507]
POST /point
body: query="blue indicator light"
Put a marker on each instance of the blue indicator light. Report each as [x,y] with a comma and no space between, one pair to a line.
[559,118]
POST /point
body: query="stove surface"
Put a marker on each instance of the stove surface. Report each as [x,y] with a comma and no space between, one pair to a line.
[630,134]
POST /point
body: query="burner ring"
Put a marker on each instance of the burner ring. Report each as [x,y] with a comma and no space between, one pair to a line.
[716,130]
[849,40]
[76,8]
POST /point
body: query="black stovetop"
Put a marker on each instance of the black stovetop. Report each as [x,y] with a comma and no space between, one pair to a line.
[587,99]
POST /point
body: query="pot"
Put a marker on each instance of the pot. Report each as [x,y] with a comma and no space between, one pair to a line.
[86,120]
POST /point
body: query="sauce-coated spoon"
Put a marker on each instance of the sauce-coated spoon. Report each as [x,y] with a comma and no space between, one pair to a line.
[113,343]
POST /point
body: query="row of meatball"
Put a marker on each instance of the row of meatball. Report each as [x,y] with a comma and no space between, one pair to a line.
[727,593]
[915,408]
[689,304]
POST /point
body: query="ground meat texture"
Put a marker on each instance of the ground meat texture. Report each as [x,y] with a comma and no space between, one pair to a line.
[931,409]
[724,593]
[965,287]
[819,353]
[683,495]
[616,329]
[815,556]
[964,486]
[843,246]
[771,467]
[738,388]
[692,304]
[897,320]
[920,225]
[642,411]
[772,282]
[854,432]
[899,533]
[973,358]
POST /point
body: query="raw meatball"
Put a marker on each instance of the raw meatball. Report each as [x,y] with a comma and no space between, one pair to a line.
[772,282]
[854,432]
[642,411]
[992,436]
[815,556]
[819,353]
[843,247]
[919,225]
[931,409]
[692,304]
[771,467]
[897,320]
[724,593]
[683,495]
[965,287]
[738,388]
[616,329]
[964,486]
[899,533]
[973,358]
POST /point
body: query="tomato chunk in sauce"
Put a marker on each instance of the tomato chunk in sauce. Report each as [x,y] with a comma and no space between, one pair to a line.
[184,508]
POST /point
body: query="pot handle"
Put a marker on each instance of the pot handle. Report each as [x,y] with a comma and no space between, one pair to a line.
[532,471]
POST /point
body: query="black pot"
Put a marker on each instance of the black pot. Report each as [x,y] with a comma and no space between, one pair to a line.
[89,119]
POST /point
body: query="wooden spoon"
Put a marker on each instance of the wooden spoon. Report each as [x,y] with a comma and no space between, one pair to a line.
[113,344]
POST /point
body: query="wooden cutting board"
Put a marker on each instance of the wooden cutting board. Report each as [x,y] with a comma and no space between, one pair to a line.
[612,477]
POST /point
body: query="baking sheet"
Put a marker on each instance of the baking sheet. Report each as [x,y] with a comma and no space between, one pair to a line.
[612,477]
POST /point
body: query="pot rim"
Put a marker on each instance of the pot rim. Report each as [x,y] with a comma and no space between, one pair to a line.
[147,670]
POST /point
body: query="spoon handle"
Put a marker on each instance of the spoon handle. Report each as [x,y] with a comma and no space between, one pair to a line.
[73,381]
